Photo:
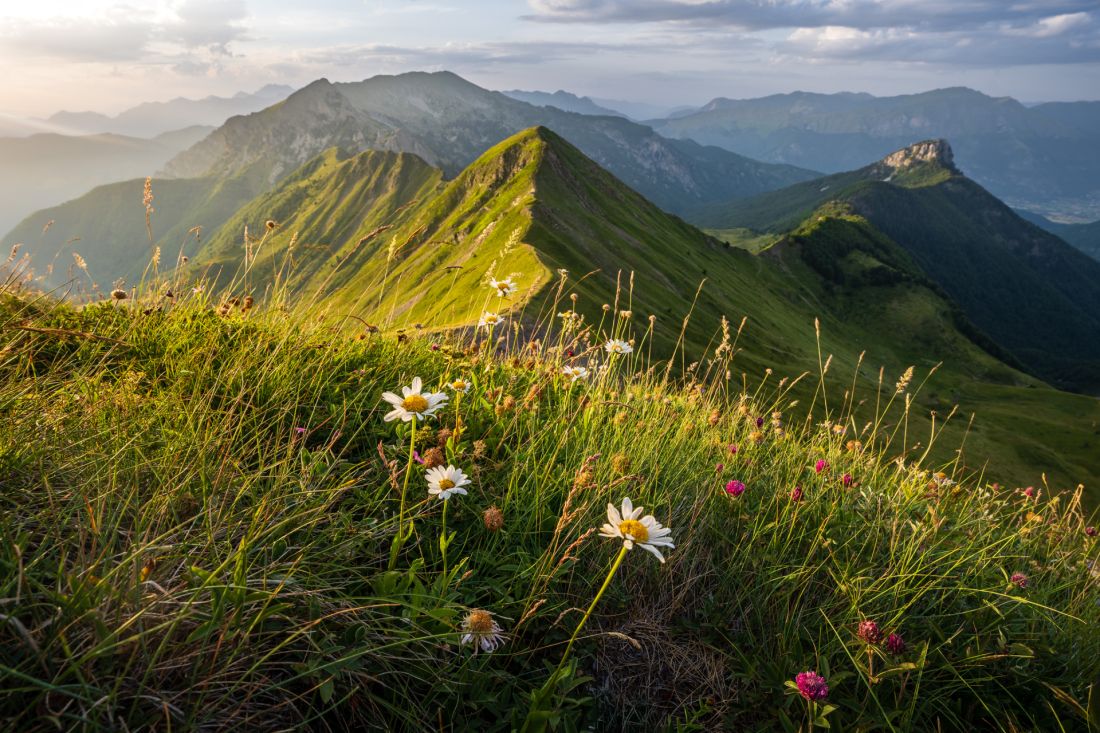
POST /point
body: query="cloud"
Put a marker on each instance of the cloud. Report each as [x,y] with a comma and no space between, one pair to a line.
[967,32]
[114,37]
[209,24]
[1046,41]
[124,33]
[779,14]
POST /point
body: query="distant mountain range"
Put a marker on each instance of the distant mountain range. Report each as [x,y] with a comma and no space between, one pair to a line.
[1045,158]
[154,118]
[1037,297]
[45,169]
[449,122]
[563,101]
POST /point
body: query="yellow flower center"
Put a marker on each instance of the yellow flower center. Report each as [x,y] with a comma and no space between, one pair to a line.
[446,483]
[635,529]
[458,384]
[415,403]
[479,622]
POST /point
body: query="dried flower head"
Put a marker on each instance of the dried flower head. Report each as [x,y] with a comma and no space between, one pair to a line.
[119,294]
[494,519]
[480,629]
[481,449]
[433,457]
[869,632]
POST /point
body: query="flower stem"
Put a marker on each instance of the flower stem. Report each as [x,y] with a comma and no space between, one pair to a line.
[401,536]
[591,607]
[443,540]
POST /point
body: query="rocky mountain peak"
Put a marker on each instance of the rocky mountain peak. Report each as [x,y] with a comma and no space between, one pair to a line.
[927,151]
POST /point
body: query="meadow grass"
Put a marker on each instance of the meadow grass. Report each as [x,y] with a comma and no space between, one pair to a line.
[201,499]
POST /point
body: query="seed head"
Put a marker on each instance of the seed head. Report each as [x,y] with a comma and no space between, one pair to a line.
[869,632]
[494,519]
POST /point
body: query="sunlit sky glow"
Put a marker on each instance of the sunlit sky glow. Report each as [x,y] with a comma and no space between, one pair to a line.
[106,55]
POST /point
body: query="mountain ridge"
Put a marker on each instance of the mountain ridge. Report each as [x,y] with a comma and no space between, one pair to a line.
[449,122]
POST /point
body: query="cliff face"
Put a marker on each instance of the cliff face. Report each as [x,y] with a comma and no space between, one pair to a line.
[927,151]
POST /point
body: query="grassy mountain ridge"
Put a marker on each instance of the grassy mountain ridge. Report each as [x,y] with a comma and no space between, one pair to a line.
[535,204]
[1034,295]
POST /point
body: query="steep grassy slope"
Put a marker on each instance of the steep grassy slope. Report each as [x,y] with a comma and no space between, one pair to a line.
[534,204]
[206,529]
[1033,294]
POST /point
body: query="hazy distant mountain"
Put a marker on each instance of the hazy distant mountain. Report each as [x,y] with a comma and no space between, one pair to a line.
[153,118]
[1036,296]
[1045,158]
[641,111]
[1085,237]
[449,122]
[47,169]
[564,101]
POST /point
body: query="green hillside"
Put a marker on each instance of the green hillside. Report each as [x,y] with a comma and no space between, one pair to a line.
[210,523]
[534,204]
[106,226]
[1034,295]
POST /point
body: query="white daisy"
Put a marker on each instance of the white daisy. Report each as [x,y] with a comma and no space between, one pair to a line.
[480,629]
[574,372]
[646,532]
[488,320]
[504,287]
[446,482]
[618,346]
[413,403]
[460,385]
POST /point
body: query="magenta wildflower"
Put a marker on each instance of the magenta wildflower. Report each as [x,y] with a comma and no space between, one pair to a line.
[821,465]
[797,493]
[812,686]
[300,431]
[1019,580]
[1029,492]
[435,347]
[417,458]
[735,488]
[895,644]
[733,449]
[847,480]
[869,632]
[759,422]
[1090,531]
[718,468]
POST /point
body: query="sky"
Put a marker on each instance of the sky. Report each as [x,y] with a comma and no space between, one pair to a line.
[107,55]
